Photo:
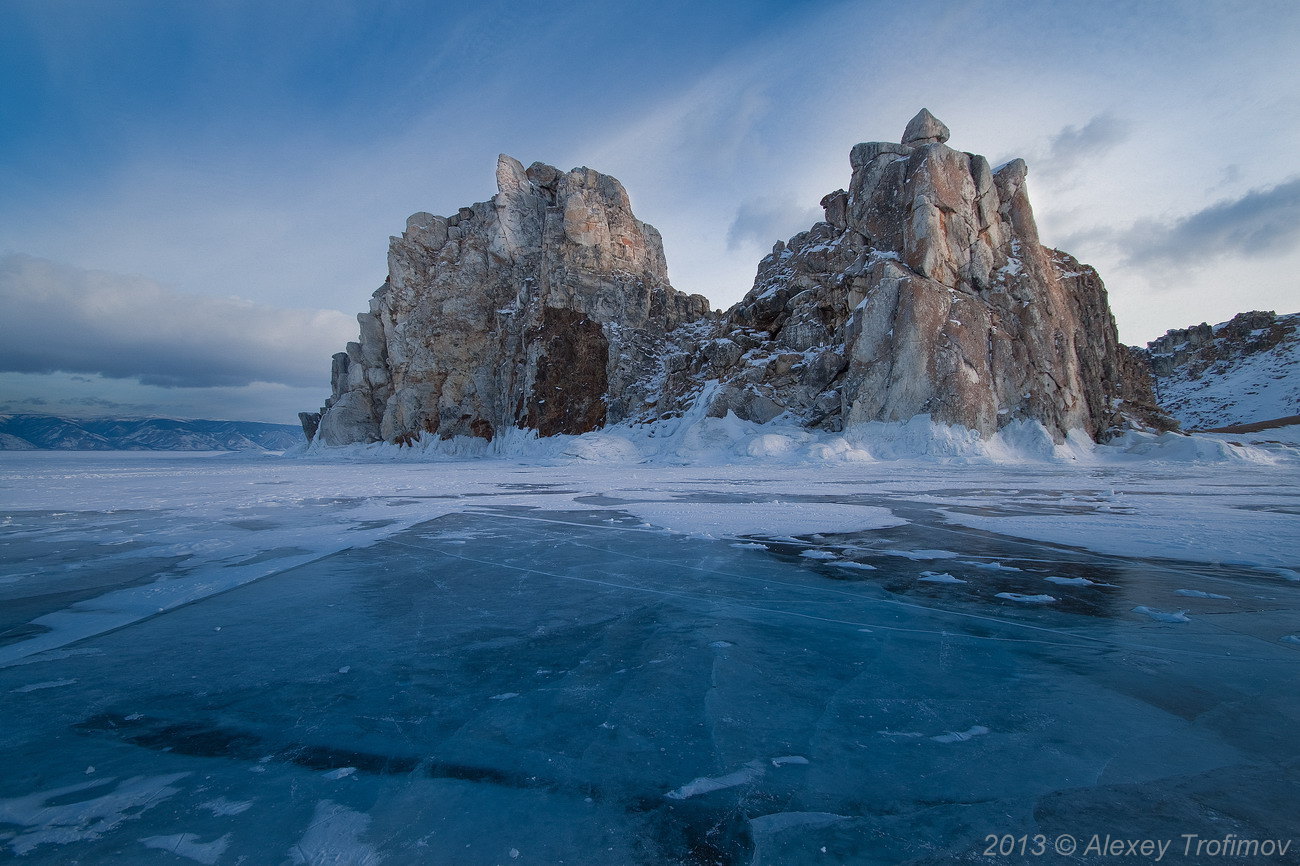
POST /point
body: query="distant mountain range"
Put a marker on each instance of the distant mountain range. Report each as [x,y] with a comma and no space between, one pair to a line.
[53,433]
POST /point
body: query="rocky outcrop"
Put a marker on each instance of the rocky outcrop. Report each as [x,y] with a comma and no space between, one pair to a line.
[1243,371]
[924,291]
[536,309]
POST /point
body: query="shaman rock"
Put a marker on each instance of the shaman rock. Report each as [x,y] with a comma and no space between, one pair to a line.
[536,309]
[926,291]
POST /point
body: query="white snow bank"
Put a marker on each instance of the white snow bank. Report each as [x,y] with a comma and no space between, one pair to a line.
[696,439]
[1181,448]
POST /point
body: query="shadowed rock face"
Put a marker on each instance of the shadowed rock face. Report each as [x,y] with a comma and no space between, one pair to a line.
[924,291]
[570,378]
[516,312]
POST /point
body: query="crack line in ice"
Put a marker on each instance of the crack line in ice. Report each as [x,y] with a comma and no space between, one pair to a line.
[857,597]
[1093,642]
[120,608]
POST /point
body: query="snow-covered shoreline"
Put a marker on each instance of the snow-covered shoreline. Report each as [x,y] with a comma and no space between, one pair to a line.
[697,440]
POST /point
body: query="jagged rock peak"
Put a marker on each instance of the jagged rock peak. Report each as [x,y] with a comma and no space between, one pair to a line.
[924,291]
[925,128]
[535,309]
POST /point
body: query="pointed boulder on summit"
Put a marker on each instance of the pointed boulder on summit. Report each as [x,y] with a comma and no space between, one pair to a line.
[925,128]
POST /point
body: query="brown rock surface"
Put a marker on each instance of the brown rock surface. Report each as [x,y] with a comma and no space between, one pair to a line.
[934,296]
[925,291]
[516,312]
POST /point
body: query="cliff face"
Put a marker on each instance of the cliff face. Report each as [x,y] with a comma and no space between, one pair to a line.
[534,309]
[924,291]
[1242,371]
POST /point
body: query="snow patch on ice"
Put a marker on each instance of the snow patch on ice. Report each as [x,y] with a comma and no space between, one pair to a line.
[918,555]
[988,566]
[1162,615]
[961,736]
[49,684]
[778,821]
[187,845]
[58,817]
[221,807]
[747,774]
[731,520]
[334,837]
[1027,599]
[1196,593]
[939,577]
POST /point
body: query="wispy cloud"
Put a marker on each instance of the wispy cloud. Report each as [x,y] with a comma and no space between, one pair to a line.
[1074,144]
[763,221]
[1263,222]
[60,318]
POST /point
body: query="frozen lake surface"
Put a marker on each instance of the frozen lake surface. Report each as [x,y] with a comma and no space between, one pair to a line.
[232,659]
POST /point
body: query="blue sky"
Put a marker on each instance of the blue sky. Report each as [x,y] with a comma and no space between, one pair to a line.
[198,196]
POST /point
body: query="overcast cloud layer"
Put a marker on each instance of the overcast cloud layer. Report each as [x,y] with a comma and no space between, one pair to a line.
[266,151]
[69,320]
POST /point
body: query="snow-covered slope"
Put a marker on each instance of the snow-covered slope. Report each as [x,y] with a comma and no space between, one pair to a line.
[1242,371]
[48,432]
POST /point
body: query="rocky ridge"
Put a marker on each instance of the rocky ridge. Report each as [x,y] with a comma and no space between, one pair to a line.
[26,432]
[924,291]
[1243,371]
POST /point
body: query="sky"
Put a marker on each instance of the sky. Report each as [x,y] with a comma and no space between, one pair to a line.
[196,198]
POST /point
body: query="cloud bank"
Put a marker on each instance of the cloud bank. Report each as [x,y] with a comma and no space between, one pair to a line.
[1263,222]
[60,318]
